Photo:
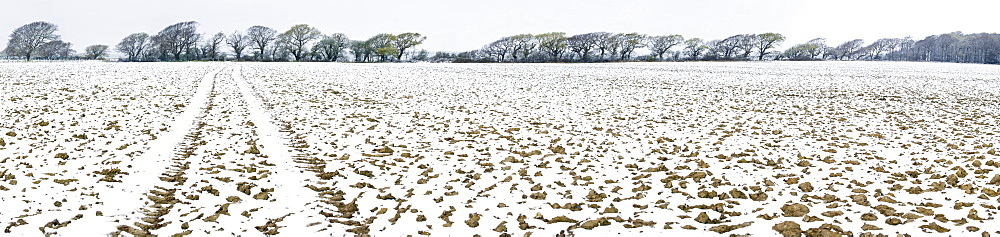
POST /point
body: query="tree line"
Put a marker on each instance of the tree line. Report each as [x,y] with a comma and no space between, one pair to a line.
[611,47]
[182,42]
[614,47]
[951,47]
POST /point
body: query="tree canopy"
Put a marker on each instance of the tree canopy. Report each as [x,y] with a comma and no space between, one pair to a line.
[298,37]
[97,51]
[31,39]
[177,39]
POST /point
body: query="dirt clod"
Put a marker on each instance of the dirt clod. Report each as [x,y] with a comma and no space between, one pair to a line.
[788,229]
[795,210]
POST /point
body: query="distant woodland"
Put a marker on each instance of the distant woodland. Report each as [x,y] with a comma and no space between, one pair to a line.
[183,42]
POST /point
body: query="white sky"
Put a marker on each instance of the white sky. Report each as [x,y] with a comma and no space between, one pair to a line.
[461,25]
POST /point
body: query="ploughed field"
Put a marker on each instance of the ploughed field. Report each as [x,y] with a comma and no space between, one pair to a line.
[653,149]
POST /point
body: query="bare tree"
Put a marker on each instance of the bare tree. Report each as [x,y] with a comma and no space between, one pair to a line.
[695,47]
[153,52]
[821,51]
[745,45]
[607,44]
[238,42]
[850,49]
[28,39]
[331,47]
[713,50]
[497,50]
[728,47]
[133,45]
[517,47]
[510,45]
[405,41]
[299,37]
[660,45]
[280,48]
[212,45]
[905,50]
[97,51]
[178,39]
[884,45]
[524,44]
[261,36]
[628,43]
[582,45]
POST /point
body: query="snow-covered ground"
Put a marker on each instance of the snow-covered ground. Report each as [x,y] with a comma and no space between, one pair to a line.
[646,149]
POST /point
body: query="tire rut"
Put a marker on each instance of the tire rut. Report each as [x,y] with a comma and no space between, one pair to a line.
[164,199]
[225,177]
[329,202]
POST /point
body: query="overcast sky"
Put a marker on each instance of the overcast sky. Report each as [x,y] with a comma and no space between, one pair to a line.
[461,25]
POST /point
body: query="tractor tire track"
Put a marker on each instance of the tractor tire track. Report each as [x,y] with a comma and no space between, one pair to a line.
[331,203]
[231,175]
[163,194]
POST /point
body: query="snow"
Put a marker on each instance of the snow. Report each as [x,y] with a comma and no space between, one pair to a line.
[514,145]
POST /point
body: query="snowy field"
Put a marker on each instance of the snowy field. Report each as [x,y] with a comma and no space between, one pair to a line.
[657,149]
